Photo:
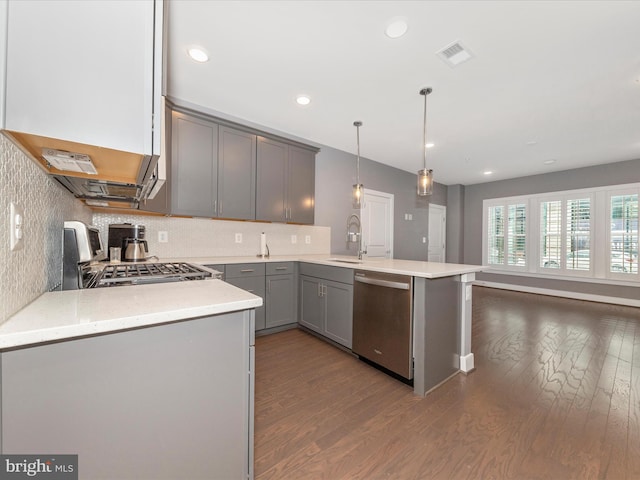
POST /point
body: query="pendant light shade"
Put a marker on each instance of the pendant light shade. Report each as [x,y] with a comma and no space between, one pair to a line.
[425,176]
[358,188]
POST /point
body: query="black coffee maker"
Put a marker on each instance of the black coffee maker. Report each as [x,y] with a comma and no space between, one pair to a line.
[123,234]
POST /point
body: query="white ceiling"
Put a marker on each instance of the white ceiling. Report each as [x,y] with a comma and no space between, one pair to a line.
[562,74]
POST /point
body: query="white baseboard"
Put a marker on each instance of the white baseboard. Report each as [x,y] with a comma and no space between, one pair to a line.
[467,363]
[629,302]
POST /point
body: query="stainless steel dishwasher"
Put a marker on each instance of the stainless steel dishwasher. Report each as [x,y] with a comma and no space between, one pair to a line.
[382,320]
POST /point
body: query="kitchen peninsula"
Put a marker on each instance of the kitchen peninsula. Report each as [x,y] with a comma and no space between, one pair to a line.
[441,302]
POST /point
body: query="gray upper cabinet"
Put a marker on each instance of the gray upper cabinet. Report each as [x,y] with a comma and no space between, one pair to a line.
[236,174]
[194,166]
[285,182]
[213,169]
[301,185]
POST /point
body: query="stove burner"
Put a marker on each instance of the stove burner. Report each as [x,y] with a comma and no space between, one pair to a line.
[141,273]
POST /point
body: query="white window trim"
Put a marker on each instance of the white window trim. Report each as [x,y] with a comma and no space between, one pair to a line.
[600,237]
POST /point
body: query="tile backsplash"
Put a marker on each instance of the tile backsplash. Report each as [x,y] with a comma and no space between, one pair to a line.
[36,268]
[199,237]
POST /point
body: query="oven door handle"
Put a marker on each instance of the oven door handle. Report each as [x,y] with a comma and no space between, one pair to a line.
[383,283]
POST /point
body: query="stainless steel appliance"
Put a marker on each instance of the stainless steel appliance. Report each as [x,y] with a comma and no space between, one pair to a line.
[82,268]
[81,245]
[135,250]
[382,321]
[124,234]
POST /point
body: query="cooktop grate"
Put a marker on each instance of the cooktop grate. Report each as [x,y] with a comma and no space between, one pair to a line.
[137,273]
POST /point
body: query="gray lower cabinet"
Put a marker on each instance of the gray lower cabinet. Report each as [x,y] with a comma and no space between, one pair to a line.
[281,294]
[213,169]
[326,301]
[250,277]
[285,182]
[163,402]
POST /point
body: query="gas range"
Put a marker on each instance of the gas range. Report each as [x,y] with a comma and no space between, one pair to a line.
[143,273]
[82,252]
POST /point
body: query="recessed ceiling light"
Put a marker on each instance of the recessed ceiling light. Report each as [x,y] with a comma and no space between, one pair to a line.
[487,172]
[430,145]
[396,28]
[198,54]
[303,100]
[549,162]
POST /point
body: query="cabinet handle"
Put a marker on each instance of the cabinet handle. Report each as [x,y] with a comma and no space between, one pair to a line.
[268,286]
[248,270]
[324,290]
[281,268]
[215,207]
[220,209]
[319,289]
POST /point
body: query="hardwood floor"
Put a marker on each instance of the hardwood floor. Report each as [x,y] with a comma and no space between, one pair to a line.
[555,395]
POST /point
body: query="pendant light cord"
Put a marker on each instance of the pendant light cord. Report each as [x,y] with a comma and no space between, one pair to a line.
[425,92]
[358,124]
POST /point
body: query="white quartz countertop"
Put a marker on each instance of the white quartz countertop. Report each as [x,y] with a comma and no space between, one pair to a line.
[386,265]
[75,313]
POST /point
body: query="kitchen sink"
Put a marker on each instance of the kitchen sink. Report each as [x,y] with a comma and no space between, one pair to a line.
[344,260]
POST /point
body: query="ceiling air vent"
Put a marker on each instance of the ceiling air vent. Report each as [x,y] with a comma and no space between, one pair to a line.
[454,54]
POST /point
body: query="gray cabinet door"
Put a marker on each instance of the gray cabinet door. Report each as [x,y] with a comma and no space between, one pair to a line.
[301,185]
[285,182]
[271,180]
[194,166]
[236,174]
[280,300]
[256,286]
[339,312]
[311,303]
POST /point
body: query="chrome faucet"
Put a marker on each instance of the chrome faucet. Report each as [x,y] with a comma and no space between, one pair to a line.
[355,237]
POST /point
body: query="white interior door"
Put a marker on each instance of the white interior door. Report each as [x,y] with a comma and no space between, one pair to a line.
[437,233]
[377,224]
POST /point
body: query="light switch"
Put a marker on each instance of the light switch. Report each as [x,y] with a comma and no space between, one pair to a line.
[294,239]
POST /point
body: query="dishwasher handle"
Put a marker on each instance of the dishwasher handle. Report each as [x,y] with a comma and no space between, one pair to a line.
[383,283]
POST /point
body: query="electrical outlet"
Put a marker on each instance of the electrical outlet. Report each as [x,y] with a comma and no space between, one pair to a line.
[163,236]
[238,238]
[17,227]
[307,239]
[294,239]
[424,239]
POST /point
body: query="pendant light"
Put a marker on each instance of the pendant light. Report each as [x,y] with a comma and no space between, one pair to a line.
[358,188]
[425,177]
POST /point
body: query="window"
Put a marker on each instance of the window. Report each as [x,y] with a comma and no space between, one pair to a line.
[551,234]
[495,255]
[506,227]
[578,234]
[623,244]
[583,234]
[565,234]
